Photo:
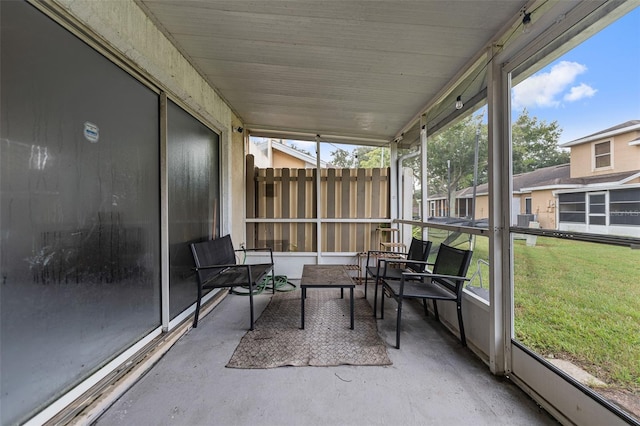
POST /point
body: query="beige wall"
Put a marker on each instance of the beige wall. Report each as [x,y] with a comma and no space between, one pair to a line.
[280,160]
[482,207]
[543,205]
[624,157]
[134,36]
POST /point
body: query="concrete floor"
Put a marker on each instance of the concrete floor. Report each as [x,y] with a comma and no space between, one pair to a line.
[433,381]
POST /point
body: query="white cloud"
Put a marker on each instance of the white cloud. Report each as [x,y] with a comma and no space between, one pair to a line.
[580,92]
[545,89]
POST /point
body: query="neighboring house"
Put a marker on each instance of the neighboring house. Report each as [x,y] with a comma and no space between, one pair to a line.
[605,174]
[597,192]
[274,153]
[533,198]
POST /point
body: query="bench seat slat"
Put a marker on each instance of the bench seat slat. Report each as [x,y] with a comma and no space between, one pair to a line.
[237,276]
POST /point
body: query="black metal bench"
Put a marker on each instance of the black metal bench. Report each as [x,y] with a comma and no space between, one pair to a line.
[216,267]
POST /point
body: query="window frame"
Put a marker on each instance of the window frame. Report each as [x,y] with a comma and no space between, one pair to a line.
[528,205]
[589,204]
[614,201]
[575,203]
[595,156]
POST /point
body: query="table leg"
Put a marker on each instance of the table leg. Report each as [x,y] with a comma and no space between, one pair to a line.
[351,303]
[302,297]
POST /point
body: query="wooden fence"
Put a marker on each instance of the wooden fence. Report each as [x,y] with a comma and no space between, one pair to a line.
[288,200]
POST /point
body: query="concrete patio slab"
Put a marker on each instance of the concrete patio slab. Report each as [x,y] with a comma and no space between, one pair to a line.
[433,380]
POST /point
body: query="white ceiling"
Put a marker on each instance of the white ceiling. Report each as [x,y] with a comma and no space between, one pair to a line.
[362,69]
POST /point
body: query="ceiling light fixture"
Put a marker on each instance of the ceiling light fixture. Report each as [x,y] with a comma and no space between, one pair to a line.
[459,103]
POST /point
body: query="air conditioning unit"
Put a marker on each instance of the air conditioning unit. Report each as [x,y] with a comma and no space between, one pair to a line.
[524,219]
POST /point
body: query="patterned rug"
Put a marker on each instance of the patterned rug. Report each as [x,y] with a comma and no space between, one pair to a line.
[327,340]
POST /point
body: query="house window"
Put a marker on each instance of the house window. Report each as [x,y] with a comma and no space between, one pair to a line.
[597,209]
[624,207]
[527,205]
[572,207]
[463,207]
[602,154]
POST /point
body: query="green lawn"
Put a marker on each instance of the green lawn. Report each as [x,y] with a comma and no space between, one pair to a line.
[581,301]
[578,301]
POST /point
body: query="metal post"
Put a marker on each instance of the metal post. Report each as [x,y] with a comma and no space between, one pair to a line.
[448,188]
[423,177]
[475,179]
[500,294]
[393,181]
[318,204]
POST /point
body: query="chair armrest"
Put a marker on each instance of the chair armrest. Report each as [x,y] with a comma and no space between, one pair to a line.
[455,288]
[431,275]
[255,249]
[386,252]
[265,249]
[221,266]
[421,262]
[383,252]
[386,263]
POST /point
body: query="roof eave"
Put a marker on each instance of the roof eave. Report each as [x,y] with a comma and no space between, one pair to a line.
[599,136]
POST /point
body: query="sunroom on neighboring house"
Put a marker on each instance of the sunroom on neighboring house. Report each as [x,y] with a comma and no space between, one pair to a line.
[603,194]
[593,193]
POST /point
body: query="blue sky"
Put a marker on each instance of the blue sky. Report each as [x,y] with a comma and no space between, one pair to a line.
[590,88]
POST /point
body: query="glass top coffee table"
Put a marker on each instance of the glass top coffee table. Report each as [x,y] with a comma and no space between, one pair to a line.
[326,276]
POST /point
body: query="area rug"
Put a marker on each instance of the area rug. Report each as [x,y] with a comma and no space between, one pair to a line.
[327,340]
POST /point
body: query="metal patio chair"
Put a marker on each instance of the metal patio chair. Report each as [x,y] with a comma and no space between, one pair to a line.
[444,283]
[415,260]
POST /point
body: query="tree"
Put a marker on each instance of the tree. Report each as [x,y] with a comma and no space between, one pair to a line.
[370,158]
[362,156]
[450,156]
[535,144]
[451,153]
[342,158]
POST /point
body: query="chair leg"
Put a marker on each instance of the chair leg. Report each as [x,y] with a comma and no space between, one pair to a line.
[251,304]
[463,338]
[366,281]
[375,296]
[197,312]
[435,310]
[382,303]
[398,321]
[426,310]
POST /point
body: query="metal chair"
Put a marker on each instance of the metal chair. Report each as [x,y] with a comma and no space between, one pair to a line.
[444,283]
[415,260]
